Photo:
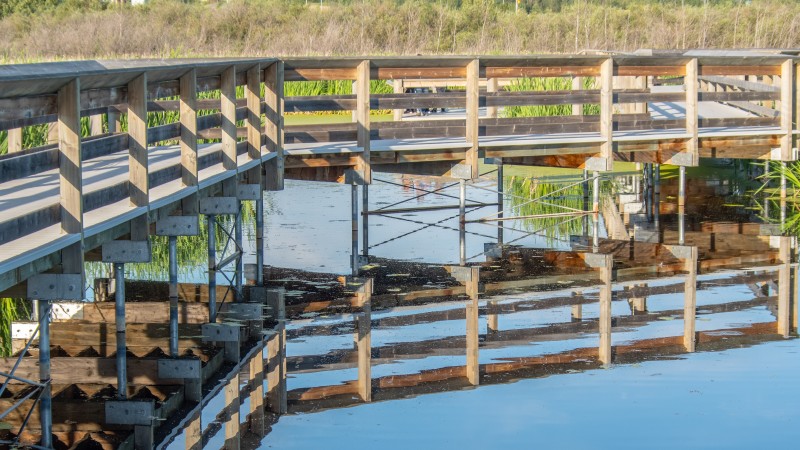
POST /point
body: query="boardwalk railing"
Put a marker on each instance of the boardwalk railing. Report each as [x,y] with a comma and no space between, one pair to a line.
[130,163]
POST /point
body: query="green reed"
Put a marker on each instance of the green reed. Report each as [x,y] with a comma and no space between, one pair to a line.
[539,84]
[555,195]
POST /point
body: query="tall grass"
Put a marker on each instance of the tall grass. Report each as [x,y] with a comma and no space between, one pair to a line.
[523,189]
[547,84]
[10,310]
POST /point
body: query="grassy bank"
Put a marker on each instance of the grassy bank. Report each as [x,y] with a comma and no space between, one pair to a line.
[69,29]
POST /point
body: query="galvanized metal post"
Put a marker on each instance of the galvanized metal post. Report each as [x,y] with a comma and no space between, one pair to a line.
[596,193]
[682,186]
[354,228]
[212,269]
[173,296]
[462,224]
[585,187]
[119,317]
[365,220]
[260,241]
[681,227]
[500,198]
[46,399]
[237,235]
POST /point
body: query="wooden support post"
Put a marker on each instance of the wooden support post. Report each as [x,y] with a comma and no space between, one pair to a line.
[273,97]
[690,301]
[787,109]
[276,354]
[188,118]
[605,161]
[52,133]
[194,433]
[14,140]
[257,422]
[690,83]
[228,110]
[605,311]
[232,437]
[491,86]
[472,116]
[363,168]
[70,172]
[252,93]
[95,124]
[784,285]
[397,85]
[364,346]
[139,183]
[114,125]
[577,85]
[640,82]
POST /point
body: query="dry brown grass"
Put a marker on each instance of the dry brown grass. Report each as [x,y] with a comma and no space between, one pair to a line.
[280,27]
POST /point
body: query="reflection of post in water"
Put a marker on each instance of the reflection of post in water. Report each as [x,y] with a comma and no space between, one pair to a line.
[639,304]
[365,221]
[492,322]
[276,353]
[606,266]
[364,340]
[500,201]
[256,386]
[470,277]
[784,285]
[354,228]
[462,222]
[232,413]
[690,299]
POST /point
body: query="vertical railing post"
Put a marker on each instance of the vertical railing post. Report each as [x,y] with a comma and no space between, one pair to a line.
[607,114]
[492,85]
[363,167]
[787,111]
[273,97]
[472,116]
[228,112]
[399,88]
[14,140]
[252,122]
[70,172]
[690,84]
[188,118]
[139,183]
[577,85]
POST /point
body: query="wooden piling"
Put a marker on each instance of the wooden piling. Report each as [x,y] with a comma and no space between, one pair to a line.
[690,302]
[232,432]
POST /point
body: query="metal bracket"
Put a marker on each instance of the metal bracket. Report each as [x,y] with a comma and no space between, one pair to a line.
[222,332]
[355,176]
[464,274]
[682,159]
[219,206]
[130,412]
[56,286]
[461,171]
[178,226]
[680,251]
[248,192]
[126,252]
[595,260]
[172,369]
[598,164]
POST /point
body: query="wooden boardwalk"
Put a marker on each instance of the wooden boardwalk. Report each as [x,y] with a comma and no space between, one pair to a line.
[651,109]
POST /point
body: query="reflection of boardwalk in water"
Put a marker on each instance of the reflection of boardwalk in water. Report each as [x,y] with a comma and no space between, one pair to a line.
[193,365]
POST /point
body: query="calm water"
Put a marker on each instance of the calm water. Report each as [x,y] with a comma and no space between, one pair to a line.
[541,384]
